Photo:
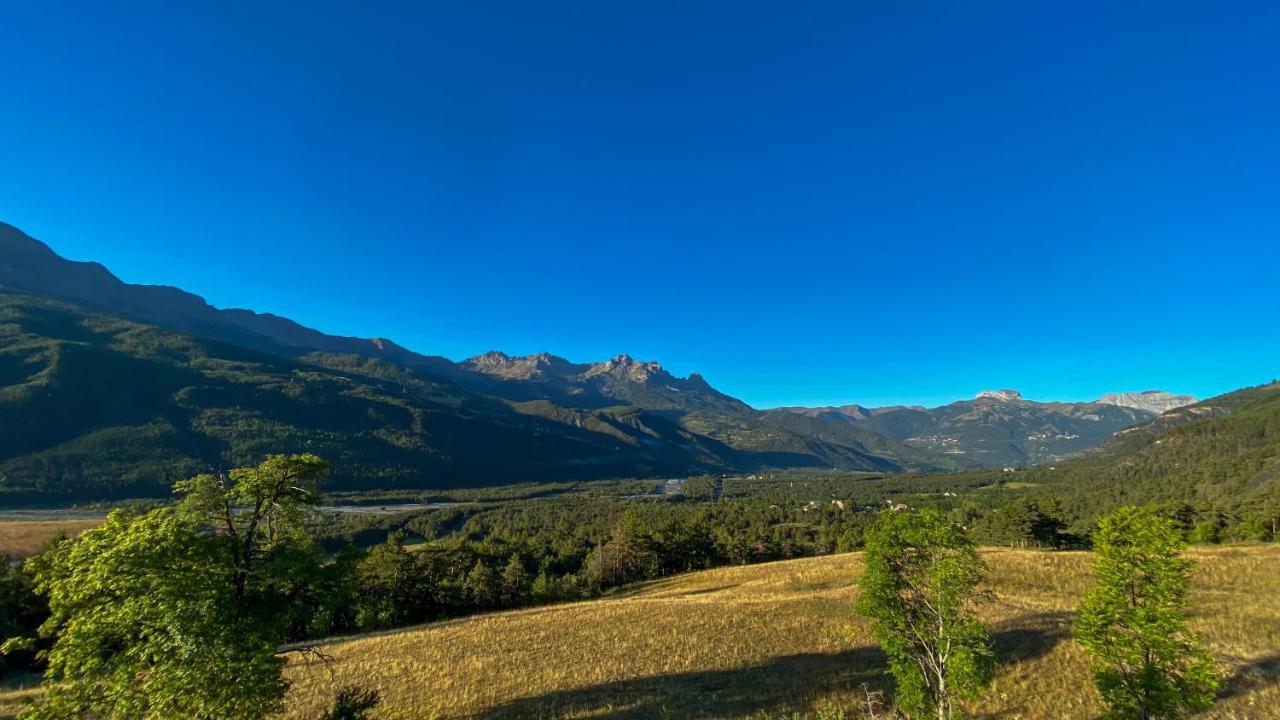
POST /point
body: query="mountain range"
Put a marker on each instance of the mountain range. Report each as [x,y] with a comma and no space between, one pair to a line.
[1001,428]
[109,388]
[1221,453]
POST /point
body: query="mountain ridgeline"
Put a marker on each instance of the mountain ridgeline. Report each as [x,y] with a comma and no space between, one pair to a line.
[1220,456]
[109,389]
[1001,428]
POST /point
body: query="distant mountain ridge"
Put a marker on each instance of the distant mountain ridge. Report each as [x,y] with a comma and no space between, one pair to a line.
[28,265]
[997,427]
[546,417]
[1155,401]
[1222,453]
[1005,395]
[654,421]
[847,412]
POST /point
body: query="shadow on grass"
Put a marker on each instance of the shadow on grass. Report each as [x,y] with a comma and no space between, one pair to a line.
[1252,677]
[770,686]
[700,591]
[1029,636]
[778,685]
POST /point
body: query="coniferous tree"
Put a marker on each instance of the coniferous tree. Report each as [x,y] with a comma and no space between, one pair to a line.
[515,581]
[484,585]
[1145,662]
[543,589]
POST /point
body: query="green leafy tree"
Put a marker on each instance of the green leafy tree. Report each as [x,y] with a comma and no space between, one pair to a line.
[1250,528]
[918,589]
[159,615]
[1027,522]
[1206,532]
[388,586]
[1145,662]
[148,625]
[256,511]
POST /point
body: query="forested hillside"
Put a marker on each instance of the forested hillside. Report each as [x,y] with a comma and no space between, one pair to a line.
[113,389]
[96,406]
[1221,455]
[1002,428]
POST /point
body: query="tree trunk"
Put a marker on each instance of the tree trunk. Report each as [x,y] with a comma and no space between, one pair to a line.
[944,700]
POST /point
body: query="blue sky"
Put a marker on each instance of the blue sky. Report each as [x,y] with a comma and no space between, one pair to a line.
[806,202]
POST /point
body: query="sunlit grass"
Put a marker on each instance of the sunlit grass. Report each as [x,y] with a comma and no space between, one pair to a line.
[20,538]
[774,639]
[16,692]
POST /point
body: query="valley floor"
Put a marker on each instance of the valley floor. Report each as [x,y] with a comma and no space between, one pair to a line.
[770,640]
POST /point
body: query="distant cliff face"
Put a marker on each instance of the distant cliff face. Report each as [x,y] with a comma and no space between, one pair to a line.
[1005,395]
[1155,401]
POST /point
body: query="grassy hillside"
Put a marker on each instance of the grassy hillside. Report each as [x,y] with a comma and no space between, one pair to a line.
[781,638]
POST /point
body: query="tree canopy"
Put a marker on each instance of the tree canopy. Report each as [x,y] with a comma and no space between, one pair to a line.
[166,614]
[918,589]
[1145,662]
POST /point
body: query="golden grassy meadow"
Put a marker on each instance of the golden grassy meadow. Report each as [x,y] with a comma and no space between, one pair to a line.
[21,538]
[771,641]
[780,640]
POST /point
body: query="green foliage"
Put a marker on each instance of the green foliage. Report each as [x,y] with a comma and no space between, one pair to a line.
[1145,662]
[515,581]
[1220,458]
[156,616]
[389,586]
[1025,522]
[258,511]
[1206,532]
[918,589]
[484,586]
[148,625]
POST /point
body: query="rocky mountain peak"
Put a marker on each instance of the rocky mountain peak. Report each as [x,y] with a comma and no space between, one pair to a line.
[1003,395]
[1155,401]
[493,358]
[698,381]
[626,366]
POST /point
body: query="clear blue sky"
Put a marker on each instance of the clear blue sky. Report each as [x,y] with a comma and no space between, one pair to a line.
[806,202]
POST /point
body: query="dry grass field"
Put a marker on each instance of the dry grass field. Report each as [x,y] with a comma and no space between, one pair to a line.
[20,538]
[16,692]
[780,640]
